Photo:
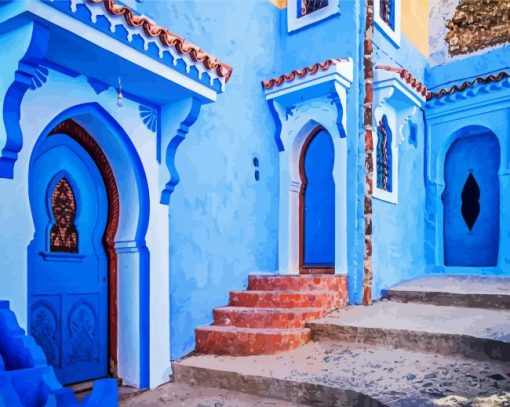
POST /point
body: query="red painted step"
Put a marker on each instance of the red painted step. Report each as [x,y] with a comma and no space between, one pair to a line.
[227,340]
[285,299]
[270,317]
[274,318]
[297,283]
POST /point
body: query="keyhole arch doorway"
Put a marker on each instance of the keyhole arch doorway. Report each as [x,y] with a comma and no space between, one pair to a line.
[317,204]
[471,199]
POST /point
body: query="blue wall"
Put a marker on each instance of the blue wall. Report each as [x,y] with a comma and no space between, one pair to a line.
[223,223]
[399,229]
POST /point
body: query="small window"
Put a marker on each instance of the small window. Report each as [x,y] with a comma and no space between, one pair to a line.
[384,155]
[387,19]
[302,13]
[63,234]
[387,12]
[311,6]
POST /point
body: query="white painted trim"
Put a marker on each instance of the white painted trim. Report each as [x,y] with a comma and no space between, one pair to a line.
[295,23]
[56,17]
[393,35]
[378,193]
[394,98]
[301,106]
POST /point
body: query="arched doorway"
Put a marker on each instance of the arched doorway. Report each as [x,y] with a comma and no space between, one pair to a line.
[471,201]
[317,204]
[72,264]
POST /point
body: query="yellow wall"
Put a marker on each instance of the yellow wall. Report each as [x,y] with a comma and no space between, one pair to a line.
[279,3]
[415,23]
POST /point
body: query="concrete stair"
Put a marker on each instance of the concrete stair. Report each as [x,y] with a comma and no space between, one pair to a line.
[270,316]
[461,291]
[469,320]
[436,341]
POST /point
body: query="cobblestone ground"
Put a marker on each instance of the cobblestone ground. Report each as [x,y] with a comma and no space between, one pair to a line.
[394,377]
[179,395]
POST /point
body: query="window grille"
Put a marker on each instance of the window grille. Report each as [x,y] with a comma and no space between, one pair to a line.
[386,11]
[63,234]
[384,155]
[309,6]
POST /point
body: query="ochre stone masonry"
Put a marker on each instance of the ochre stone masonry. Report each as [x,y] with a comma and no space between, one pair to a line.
[270,316]
[478,24]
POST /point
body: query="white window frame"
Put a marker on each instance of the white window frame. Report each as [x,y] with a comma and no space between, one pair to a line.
[295,23]
[392,34]
[388,196]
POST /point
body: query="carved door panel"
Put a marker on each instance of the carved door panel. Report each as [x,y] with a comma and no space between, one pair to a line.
[471,202]
[318,203]
[67,261]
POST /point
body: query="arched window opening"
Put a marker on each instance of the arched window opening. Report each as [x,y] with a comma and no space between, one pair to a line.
[384,170]
[63,234]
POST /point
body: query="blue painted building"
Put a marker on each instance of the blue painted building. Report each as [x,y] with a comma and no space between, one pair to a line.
[142,179]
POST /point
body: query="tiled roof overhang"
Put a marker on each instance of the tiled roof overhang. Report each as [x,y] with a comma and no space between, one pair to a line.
[166,37]
[468,84]
[301,73]
[414,83]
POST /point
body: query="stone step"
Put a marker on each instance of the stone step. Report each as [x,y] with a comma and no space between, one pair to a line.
[286,299]
[349,374]
[274,318]
[298,283]
[462,291]
[228,340]
[472,332]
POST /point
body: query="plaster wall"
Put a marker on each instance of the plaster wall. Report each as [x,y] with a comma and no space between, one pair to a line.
[399,229]
[415,23]
[223,223]
[339,36]
[39,108]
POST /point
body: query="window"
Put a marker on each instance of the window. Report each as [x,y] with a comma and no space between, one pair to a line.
[63,234]
[302,13]
[387,19]
[384,155]
[310,6]
[386,12]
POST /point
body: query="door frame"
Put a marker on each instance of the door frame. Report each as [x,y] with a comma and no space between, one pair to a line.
[72,129]
[301,211]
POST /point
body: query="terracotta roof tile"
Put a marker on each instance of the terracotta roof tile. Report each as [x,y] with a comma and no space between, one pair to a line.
[408,77]
[166,37]
[300,73]
[468,84]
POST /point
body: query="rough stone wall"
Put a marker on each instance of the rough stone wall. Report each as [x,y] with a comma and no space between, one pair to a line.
[369,147]
[478,24]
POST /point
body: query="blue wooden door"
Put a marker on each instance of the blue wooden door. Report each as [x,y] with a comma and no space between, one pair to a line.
[471,202]
[319,203]
[66,260]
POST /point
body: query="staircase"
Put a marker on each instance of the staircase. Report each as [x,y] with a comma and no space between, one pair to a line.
[271,315]
[442,340]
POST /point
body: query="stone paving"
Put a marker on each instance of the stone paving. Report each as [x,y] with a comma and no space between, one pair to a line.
[179,395]
[346,374]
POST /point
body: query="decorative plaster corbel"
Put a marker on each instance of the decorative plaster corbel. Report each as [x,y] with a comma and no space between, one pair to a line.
[338,99]
[176,119]
[277,112]
[31,41]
